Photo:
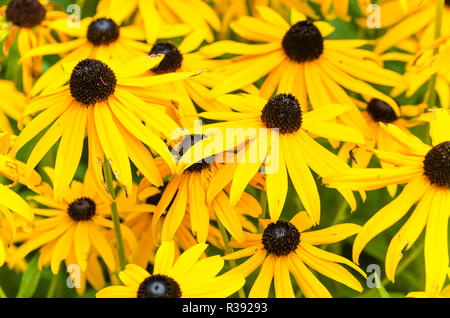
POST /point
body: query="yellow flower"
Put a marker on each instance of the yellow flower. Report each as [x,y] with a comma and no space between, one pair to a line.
[101,37]
[187,191]
[98,100]
[424,65]
[284,248]
[426,172]
[377,112]
[189,91]
[407,18]
[72,228]
[297,58]
[173,14]
[137,213]
[186,277]
[30,21]
[290,150]
[12,104]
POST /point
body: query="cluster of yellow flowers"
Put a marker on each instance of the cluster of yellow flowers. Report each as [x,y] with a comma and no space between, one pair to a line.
[201,119]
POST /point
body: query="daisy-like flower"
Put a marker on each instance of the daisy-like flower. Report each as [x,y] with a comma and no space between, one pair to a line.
[101,37]
[424,65]
[378,111]
[98,98]
[70,229]
[188,276]
[12,104]
[298,59]
[137,213]
[196,14]
[287,247]
[29,20]
[289,150]
[426,172]
[229,10]
[405,18]
[191,90]
[188,192]
[10,201]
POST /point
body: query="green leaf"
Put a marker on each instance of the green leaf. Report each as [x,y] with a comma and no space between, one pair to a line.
[30,279]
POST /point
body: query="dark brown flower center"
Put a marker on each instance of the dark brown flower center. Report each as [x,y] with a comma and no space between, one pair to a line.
[283,112]
[437,164]
[103,31]
[25,13]
[280,238]
[82,209]
[381,111]
[159,286]
[172,58]
[92,81]
[303,42]
[185,144]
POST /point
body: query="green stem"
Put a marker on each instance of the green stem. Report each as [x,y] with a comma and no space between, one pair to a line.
[53,284]
[263,203]
[229,250]
[115,214]
[381,290]
[2,293]
[437,34]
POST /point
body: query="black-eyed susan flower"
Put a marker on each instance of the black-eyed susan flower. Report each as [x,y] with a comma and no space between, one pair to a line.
[230,10]
[71,228]
[286,248]
[137,212]
[407,18]
[426,172]
[188,276]
[378,111]
[297,58]
[424,65]
[278,134]
[191,91]
[117,123]
[10,201]
[29,20]
[187,191]
[196,14]
[101,37]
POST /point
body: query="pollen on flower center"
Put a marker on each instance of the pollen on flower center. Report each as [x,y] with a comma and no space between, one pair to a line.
[303,42]
[25,13]
[92,81]
[172,58]
[103,31]
[437,164]
[381,111]
[283,112]
[82,209]
[188,142]
[280,238]
[159,286]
